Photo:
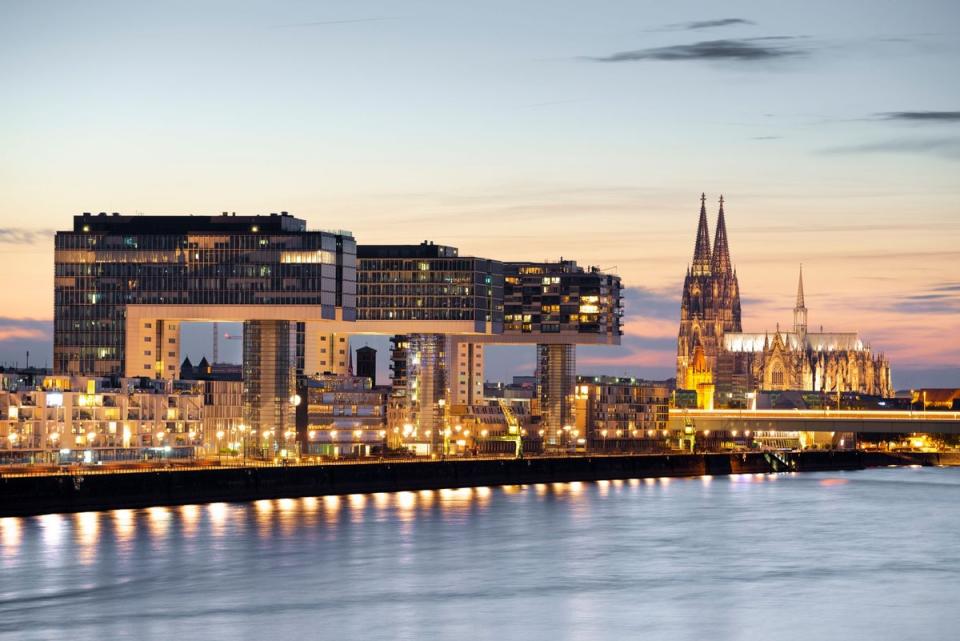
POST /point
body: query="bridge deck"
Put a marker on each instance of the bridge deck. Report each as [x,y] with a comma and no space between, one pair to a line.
[817,421]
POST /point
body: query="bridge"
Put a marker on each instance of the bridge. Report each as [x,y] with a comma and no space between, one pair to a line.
[826,420]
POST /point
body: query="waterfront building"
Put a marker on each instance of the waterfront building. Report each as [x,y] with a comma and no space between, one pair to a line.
[341,415]
[717,359]
[71,419]
[561,304]
[624,414]
[124,285]
[221,384]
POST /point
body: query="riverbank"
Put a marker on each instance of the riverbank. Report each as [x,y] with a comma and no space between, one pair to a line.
[79,492]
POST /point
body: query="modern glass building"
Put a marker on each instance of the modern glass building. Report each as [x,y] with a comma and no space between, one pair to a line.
[124,284]
[561,298]
[114,274]
[429,282]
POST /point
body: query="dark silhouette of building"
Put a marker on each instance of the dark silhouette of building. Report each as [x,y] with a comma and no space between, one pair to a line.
[367,363]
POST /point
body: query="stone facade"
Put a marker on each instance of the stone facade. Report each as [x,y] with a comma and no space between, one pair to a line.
[714,354]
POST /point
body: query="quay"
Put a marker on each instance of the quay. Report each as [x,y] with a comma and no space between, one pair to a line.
[26,493]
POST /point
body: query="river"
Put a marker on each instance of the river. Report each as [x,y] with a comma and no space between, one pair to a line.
[871,554]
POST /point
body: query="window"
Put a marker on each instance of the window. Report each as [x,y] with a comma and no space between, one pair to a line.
[147,339]
[777,377]
[146,366]
[148,325]
[172,341]
[171,354]
[146,352]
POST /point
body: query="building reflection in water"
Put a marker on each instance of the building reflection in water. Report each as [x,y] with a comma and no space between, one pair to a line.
[217,513]
[87,534]
[10,536]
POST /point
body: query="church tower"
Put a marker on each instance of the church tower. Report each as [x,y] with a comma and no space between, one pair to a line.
[800,311]
[710,306]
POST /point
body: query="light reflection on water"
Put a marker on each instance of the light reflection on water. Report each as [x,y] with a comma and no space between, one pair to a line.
[836,555]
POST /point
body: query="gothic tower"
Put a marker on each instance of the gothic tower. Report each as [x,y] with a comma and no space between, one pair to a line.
[710,305]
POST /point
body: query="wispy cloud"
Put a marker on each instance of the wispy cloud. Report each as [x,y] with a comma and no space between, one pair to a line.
[921,116]
[643,302]
[696,25]
[943,147]
[21,236]
[20,329]
[762,49]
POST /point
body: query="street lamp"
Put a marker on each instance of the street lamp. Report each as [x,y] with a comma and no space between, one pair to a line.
[442,404]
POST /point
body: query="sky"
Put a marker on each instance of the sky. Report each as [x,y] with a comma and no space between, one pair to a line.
[512,130]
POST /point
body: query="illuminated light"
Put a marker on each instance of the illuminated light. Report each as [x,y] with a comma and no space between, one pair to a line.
[734,432]
[406,500]
[833,482]
[264,506]
[310,503]
[10,534]
[312,434]
[286,505]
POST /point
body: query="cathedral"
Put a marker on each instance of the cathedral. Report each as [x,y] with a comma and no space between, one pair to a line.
[723,364]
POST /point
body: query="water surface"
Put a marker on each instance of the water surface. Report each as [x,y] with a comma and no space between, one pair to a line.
[859,555]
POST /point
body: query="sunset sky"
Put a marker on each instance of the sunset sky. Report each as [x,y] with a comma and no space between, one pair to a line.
[515,131]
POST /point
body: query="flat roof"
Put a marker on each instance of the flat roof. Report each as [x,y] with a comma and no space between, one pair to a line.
[179,224]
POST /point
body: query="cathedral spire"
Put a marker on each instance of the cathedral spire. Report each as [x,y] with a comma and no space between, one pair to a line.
[701,251]
[800,289]
[721,252]
[800,310]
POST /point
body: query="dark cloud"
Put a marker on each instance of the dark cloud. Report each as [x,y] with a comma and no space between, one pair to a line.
[20,236]
[921,116]
[947,287]
[936,303]
[706,24]
[20,335]
[905,377]
[731,50]
[944,147]
[639,301]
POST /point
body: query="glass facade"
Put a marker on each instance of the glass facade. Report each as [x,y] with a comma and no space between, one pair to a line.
[108,262]
[428,282]
[560,298]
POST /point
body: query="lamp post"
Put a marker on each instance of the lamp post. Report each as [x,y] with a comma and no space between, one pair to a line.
[243,441]
[442,404]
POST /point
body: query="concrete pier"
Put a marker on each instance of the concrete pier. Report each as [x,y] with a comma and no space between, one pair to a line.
[85,490]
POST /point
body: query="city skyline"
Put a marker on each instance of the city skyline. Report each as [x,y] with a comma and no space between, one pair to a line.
[531,135]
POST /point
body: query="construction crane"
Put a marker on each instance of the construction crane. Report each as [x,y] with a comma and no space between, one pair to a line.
[216,340]
[514,432]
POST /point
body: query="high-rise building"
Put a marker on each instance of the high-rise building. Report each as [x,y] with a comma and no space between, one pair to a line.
[125,284]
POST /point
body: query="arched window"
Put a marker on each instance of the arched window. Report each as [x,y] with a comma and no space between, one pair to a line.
[777,377]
